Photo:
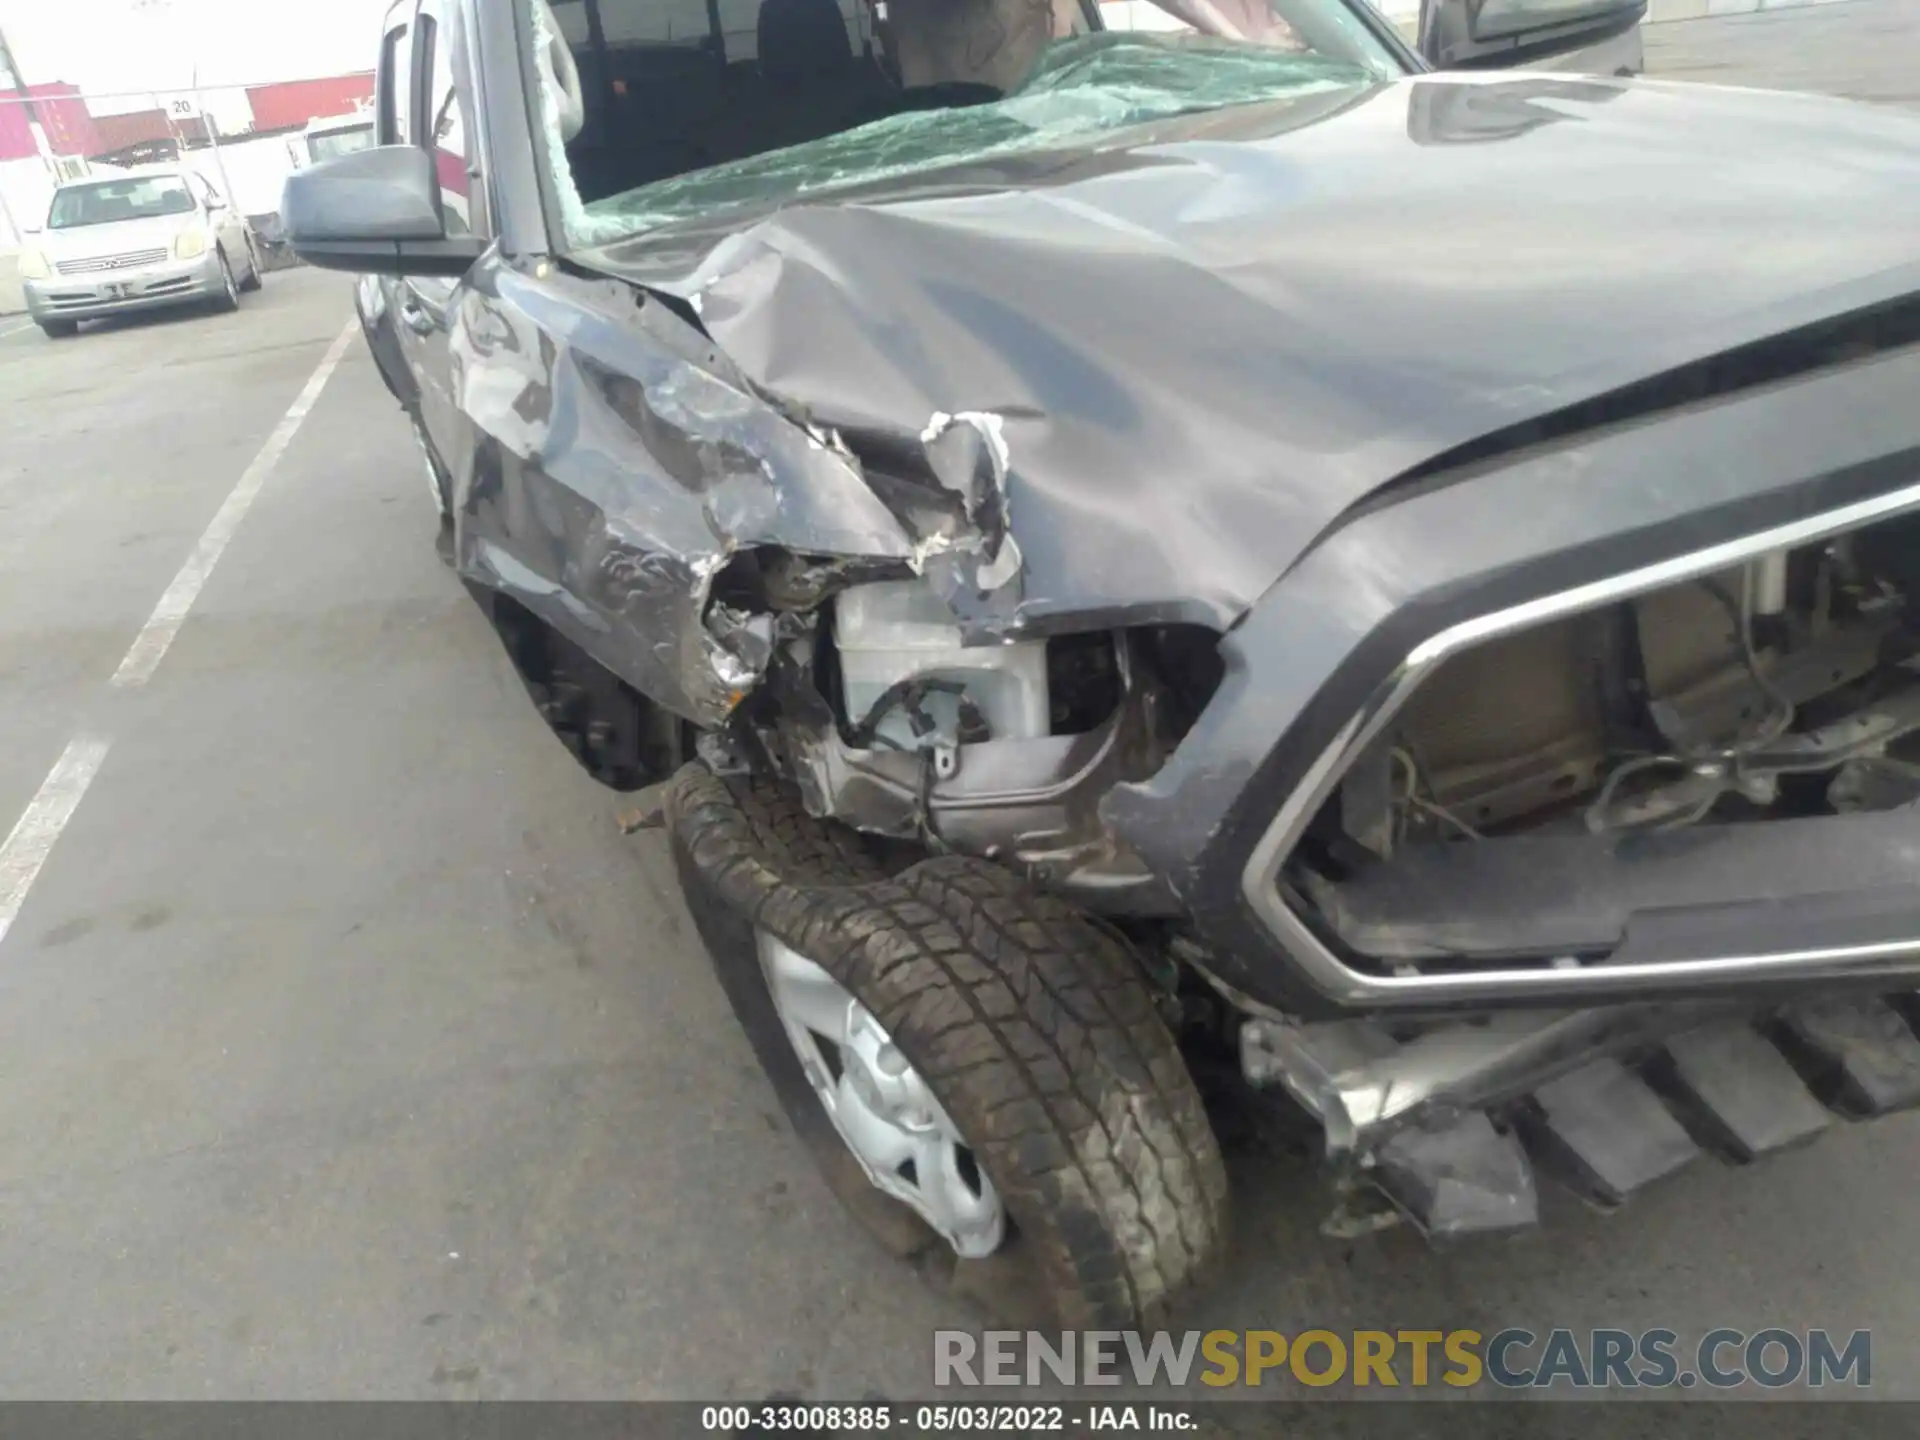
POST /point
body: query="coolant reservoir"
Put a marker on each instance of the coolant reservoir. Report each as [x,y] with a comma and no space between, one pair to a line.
[901,630]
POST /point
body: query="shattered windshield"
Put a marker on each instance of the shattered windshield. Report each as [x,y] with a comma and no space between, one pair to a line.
[817,95]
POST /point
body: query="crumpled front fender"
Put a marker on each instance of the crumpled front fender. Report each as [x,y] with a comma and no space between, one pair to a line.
[616,464]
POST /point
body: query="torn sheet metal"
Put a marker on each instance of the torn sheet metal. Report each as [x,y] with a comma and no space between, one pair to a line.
[620,468]
[742,645]
[1031,801]
[978,571]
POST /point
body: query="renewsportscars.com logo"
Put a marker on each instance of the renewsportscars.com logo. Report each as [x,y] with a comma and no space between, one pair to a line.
[1510,1359]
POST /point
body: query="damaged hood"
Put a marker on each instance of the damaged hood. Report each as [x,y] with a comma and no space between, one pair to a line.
[1206,338]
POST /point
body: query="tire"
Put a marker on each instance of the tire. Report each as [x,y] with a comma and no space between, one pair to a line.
[227,300]
[60,329]
[1034,1029]
[254,280]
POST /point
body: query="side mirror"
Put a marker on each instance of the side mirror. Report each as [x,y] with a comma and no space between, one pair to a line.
[1489,34]
[374,212]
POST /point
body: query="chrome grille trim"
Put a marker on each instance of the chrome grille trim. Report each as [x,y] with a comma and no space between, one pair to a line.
[111,262]
[1260,879]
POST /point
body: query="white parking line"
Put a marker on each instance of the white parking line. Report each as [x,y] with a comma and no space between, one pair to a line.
[150,645]
[16,329]
[47,814]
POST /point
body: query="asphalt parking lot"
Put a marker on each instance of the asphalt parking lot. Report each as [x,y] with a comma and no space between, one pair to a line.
[347,1049]
[1862,49]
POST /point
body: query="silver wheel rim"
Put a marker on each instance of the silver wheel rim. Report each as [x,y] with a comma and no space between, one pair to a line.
[906,1143]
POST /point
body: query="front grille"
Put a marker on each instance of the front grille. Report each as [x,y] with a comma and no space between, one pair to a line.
[111,262]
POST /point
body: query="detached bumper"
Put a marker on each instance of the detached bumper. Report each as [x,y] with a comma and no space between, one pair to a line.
[92,297]
[1453,1124]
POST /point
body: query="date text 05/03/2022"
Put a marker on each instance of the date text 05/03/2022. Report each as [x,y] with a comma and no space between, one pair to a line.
[921,1419]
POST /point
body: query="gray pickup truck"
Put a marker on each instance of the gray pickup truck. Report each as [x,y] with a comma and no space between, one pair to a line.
[1183,575]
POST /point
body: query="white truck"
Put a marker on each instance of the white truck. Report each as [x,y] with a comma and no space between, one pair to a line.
[325,138]
[333,136]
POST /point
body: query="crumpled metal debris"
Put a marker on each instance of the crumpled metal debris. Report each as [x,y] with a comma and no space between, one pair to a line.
[968,454]
[742,644]
[622,466]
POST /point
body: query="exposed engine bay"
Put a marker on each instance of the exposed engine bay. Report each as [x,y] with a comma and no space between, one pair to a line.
[1690,750]
[1532,794]
[1688,747]
[889,721]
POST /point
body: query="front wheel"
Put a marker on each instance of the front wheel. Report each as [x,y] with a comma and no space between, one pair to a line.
[227,298]
[60,329]
[253,282]
[980,1072]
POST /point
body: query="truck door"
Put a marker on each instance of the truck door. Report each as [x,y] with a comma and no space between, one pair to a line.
[440,119]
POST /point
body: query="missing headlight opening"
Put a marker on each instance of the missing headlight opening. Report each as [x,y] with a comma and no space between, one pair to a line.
[1732,737]
[894,719]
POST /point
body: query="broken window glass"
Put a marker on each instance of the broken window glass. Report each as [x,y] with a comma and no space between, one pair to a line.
[771,101]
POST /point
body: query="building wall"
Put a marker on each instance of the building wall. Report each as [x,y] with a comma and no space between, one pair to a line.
[16,137]
[135,127]
[292,105]
[63,119]
[27,188]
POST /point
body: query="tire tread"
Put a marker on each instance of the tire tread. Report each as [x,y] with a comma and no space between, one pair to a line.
[1035,1026]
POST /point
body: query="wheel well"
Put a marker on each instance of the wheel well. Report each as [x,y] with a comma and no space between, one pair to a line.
[619,736]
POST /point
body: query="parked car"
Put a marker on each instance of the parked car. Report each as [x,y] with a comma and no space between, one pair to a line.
[1166,576]
[140,241]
